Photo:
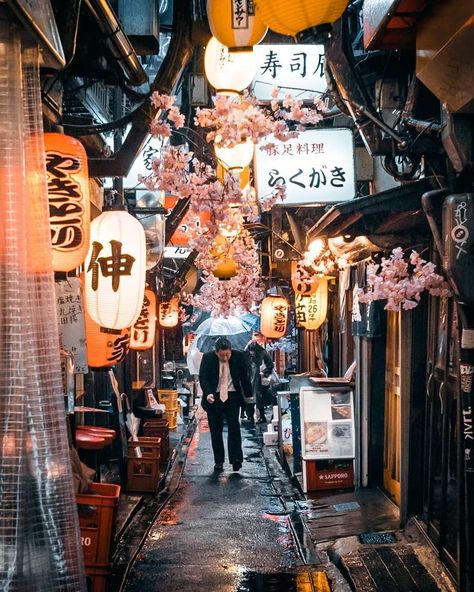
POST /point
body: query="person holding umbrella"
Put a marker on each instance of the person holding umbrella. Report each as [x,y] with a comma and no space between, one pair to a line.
[261,370]
[225,384]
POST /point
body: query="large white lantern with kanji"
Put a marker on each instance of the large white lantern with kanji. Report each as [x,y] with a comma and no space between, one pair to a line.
[228,72]
[115,270]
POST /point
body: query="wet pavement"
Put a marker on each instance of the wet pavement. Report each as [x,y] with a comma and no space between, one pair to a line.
[224,531]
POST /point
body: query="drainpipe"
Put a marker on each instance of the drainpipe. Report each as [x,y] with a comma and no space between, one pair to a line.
[178,56]
[117,42]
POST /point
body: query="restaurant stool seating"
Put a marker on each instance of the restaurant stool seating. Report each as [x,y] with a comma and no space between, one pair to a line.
[88,446]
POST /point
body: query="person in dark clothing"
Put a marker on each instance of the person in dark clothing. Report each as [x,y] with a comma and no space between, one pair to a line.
[261,366]
[225,384]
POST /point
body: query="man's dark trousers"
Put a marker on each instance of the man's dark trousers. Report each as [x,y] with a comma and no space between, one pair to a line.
[215,415]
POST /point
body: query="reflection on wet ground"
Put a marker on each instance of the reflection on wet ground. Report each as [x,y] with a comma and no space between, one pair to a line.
[223,532]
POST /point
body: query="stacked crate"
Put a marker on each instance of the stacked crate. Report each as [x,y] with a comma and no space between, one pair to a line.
[97,512]
[159,428]
[169,398]
[143,466]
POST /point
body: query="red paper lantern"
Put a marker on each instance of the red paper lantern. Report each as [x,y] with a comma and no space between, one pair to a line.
[68,195]
[168,313]
[143,331]
[105,347]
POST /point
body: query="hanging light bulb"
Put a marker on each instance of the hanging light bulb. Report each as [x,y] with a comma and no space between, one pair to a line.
[236,158]
[228,72]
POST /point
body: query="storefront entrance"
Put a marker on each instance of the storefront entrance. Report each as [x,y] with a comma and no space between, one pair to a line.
[392,442]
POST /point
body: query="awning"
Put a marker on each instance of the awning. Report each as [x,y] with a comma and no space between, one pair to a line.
[396,211]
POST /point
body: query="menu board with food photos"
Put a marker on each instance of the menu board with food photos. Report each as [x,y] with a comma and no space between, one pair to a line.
[327,422]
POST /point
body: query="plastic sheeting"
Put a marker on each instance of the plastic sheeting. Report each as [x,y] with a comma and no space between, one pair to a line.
[39,534]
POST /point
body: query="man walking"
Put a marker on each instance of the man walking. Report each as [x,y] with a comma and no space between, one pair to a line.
[225,384]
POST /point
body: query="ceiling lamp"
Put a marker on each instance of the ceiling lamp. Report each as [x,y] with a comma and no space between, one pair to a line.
[228,72]
[289,17]
[115,270]
[237,158]
[68,197]
[143,331]
[274,316]
[235,24]
[311,311]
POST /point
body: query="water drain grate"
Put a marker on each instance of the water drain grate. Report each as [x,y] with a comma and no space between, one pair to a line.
[346,506]
[377,538]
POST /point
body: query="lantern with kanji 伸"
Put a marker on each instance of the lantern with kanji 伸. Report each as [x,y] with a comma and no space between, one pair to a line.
[68,196]
[234,23]
[105,347]
[306,285]
[168,313]
[228,72]
[143,331]
[274,316]
[311,311]
[115,270]
[289,17]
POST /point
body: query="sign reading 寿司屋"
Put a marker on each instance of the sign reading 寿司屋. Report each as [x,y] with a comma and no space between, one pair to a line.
[295,69]
[317,167]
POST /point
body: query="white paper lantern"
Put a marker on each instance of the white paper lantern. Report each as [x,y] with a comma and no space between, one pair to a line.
[228,72]
[236,158]
[115,270]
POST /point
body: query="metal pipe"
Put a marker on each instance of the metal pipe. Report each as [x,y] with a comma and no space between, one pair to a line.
[117,42]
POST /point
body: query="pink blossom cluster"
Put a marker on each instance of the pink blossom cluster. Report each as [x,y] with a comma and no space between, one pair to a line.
[234,119]
[401,282]
[160,127]
[319,266]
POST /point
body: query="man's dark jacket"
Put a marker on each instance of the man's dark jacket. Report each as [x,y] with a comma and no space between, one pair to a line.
[209,375]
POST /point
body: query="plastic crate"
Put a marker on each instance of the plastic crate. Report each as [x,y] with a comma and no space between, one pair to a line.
[160,428]
[97,521]
[96,580]
[168,396]
[172,417]
[143,474]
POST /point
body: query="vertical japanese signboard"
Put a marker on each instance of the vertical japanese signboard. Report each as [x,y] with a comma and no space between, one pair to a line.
[70,313]
[295,69]
[316,168]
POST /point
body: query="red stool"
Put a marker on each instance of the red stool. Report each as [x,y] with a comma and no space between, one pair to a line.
[107,434]
[90,444]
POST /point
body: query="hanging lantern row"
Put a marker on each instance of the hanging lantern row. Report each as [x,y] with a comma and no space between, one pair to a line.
[235,24]
[168,313]
[115,270]
[143,331]
[68,197]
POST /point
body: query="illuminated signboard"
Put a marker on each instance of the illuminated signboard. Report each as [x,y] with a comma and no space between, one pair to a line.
[317,167]
[296,69]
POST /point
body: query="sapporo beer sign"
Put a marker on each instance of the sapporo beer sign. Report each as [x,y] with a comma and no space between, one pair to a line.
[68,196]
[317,167]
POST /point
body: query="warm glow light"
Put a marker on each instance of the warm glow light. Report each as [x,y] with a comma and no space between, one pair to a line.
[244,175]
[105,347]
[115,270]
[234,23]
[236,158]
[316,247]
[143,331]
[311,311]
[289,17]
[306,286]
[225,268]
[69,203]
[168,313]
[228,72]
[274,316]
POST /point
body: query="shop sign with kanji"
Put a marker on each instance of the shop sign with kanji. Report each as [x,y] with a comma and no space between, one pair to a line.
[295,69]
[317,167]
[70,315]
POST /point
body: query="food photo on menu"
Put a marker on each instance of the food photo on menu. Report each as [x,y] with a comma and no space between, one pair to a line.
[316,436]
[341,412]
[340,439]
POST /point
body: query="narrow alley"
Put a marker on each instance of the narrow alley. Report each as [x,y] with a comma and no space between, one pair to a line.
[224,531]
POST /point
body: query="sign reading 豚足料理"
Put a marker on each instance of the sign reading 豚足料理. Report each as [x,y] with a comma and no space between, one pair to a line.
[317,167]
[295,69]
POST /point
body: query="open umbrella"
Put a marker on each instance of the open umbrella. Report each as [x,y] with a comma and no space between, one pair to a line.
[237,331]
